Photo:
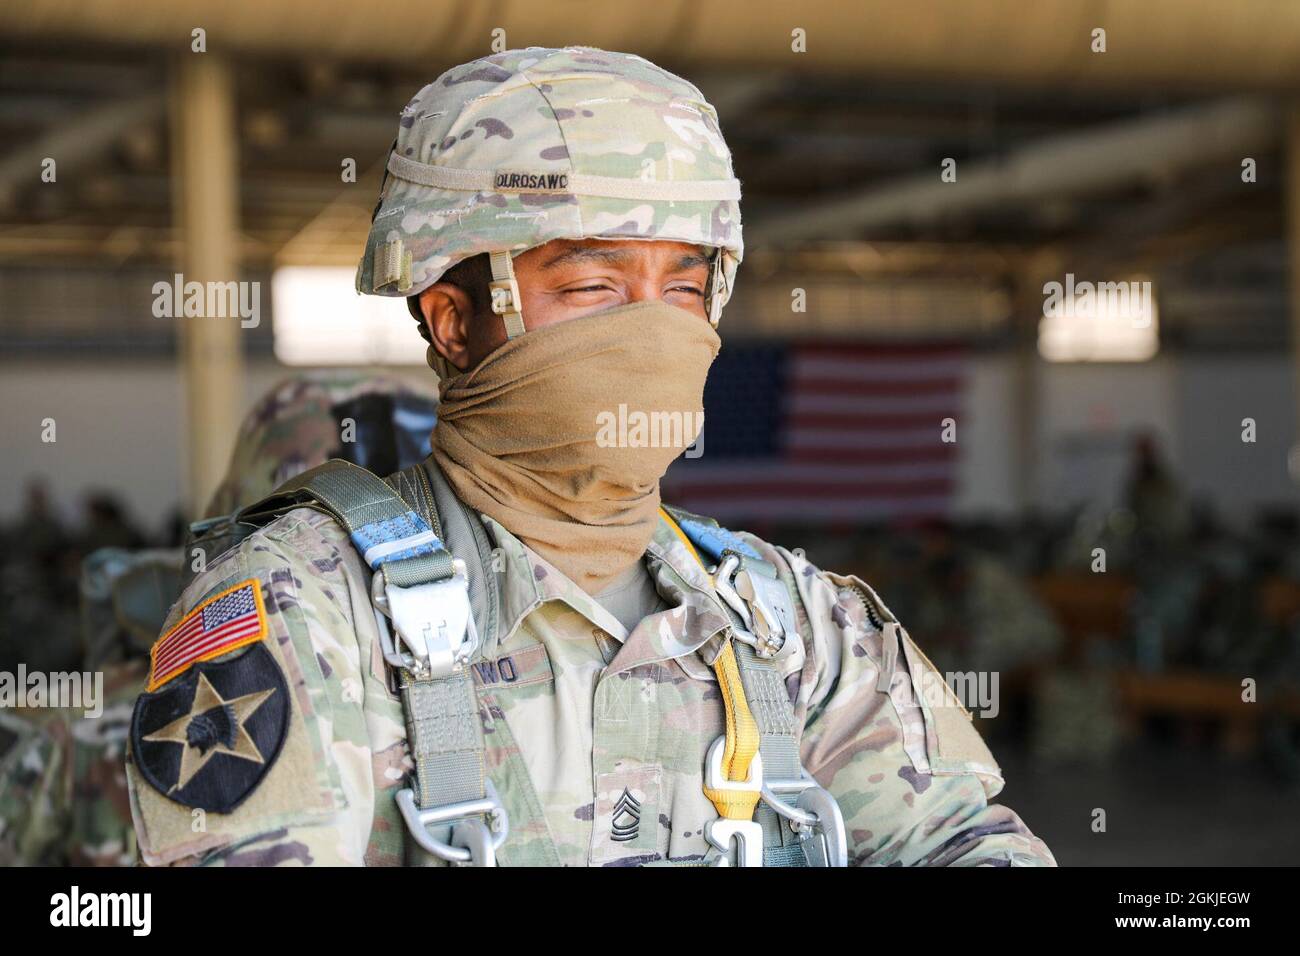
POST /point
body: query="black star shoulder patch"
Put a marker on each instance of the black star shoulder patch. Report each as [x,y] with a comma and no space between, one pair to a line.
[208,737]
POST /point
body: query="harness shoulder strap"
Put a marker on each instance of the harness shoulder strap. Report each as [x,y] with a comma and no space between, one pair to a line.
[464,535]
[396,527]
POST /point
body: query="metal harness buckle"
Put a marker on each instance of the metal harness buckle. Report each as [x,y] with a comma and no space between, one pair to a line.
[747,834]
[762,604]
[473,842]
[433,622]
[435,628]
[815,817]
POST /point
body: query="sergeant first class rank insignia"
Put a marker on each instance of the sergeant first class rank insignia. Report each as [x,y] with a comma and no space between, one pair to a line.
[206,732]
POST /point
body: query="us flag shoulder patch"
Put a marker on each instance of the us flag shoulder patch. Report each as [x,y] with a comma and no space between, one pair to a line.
[234,618]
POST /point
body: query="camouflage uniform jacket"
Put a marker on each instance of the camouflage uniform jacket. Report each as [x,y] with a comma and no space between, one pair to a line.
[575,711]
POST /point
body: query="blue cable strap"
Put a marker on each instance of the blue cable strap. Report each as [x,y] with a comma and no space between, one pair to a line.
[391,531]
[713,540]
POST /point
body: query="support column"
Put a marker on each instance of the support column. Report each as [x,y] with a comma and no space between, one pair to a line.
[206,208]
[1291,174]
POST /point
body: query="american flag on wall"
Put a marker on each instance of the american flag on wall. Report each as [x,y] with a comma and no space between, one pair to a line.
[824,432]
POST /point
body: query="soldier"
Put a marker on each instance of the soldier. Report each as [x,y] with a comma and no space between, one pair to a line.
[512,653]
[376,421]
[63,797]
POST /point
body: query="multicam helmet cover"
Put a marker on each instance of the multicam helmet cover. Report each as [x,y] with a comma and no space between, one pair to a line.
[517,149]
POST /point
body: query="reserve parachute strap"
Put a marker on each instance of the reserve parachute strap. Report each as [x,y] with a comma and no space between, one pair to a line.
[816,832]
[741,743]
[779,747]
[733,767]
[424,591]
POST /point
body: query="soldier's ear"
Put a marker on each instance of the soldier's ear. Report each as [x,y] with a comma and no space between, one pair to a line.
[447,311]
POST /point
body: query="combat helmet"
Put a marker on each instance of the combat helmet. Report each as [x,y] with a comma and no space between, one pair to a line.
[513,150]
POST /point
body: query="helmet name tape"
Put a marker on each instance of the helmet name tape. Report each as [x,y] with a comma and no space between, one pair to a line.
[510,181]
[578,184]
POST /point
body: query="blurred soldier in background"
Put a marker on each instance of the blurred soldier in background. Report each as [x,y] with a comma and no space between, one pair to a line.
[982,613]
[375,421]
[39,529]
[63,795]
[572,674]
[1156,499]
[37,598]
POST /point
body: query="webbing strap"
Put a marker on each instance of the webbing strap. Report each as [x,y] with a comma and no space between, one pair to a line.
[742,740]
[717,297]
[766,700]
[778,743]
[443,729]
[773,713]
[383,527]
[446,739]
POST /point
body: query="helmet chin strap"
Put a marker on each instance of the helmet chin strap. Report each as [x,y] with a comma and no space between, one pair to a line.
[717,290]
[506,300]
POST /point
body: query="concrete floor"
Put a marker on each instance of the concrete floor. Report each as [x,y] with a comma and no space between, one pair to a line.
[1165,805]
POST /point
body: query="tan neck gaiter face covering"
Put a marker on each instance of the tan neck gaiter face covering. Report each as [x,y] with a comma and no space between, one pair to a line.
[534,435]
